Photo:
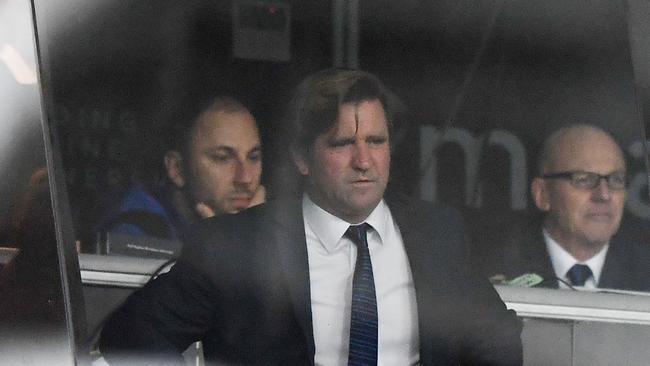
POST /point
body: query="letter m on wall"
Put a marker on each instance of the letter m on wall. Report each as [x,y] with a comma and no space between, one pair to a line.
[431,140]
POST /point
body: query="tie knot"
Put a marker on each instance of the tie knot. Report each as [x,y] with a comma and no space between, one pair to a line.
[357,233]
[578,274]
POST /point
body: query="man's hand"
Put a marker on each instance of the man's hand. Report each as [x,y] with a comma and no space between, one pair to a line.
[259,196]
[205,211]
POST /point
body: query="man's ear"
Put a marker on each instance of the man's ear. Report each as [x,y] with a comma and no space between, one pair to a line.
[300,161]
[174,167]
[540,194]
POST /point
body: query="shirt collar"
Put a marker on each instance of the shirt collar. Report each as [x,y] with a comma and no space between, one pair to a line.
[329,229]
[563,261]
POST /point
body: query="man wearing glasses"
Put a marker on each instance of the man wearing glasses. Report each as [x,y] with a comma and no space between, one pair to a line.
[580,189]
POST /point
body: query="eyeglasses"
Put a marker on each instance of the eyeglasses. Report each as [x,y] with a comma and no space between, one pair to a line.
[588,180]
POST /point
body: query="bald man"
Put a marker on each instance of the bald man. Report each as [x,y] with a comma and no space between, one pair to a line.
[580,190]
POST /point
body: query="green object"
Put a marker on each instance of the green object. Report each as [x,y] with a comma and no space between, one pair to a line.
[526,280]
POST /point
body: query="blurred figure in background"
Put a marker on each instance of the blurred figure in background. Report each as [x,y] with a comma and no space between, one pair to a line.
[30,287]
[219,164]
[213,165]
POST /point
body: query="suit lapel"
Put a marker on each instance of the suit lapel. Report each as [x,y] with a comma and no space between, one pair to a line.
[288,235]
[420,253]
[615,273]
[537,258]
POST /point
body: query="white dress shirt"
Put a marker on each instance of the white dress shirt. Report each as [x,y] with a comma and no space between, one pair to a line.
[563,261]
[332,260]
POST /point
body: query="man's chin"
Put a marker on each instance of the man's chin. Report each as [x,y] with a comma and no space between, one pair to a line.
[365,207]
[600,229]
[599,239]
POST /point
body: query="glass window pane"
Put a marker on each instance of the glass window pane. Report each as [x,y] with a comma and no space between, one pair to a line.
[486,82]
[36,320]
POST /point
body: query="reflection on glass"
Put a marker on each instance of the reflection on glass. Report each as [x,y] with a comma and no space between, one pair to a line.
[489,81]
[484,81]
[485,84]
[32,307]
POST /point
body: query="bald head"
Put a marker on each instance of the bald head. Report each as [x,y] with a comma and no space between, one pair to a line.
[581,139]
[579,216]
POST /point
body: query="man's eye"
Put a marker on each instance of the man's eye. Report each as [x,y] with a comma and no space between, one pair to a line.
[583,179]
[220,157]
[340,143]
[377,140]
[257,156]
[617,179]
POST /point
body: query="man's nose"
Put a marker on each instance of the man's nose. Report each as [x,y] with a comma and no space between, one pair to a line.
[361,158]
[602,190]
[243,171]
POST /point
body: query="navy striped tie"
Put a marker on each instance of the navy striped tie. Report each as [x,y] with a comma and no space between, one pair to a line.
[363,322]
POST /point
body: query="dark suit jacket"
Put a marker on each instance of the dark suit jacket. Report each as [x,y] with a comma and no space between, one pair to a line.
[242,286]
[523,250]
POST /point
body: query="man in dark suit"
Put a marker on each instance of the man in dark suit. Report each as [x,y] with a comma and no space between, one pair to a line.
[580,188]
[292,282]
